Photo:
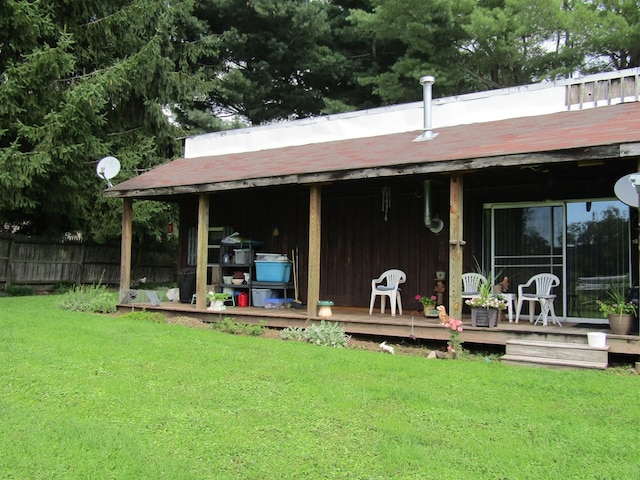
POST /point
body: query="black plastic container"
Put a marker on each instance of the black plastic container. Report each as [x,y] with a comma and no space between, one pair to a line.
[187,284]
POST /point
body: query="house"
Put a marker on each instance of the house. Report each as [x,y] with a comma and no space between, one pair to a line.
[518,181]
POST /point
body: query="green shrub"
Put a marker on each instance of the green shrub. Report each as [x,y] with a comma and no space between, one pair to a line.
[18,290]
[292,333]
[326,334]
[144,315]
[62,288]
[94,298]
[228,325]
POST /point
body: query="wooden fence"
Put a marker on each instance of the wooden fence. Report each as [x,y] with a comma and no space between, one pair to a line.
[43,262]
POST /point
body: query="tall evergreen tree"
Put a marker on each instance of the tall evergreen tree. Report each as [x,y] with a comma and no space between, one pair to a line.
[82,79]
[609,33]
[422,38]
[278,60]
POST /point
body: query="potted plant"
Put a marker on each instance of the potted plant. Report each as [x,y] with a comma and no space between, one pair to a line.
[217,301]
[618,311]
[428,305]
[486,306]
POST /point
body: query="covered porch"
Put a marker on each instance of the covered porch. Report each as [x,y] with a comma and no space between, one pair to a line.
[358,206]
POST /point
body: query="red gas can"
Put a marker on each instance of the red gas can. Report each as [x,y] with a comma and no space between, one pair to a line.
[243,299]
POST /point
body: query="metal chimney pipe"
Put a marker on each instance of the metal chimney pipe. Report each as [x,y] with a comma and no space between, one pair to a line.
[427,132]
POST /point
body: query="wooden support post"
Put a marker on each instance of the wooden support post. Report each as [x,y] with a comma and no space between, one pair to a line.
[313,279]
[125,247]
[201,262]
[455,246]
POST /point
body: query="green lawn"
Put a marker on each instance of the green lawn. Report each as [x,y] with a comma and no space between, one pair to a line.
[86,396]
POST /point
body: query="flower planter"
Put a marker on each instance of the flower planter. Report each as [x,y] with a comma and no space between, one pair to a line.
[484,317]
[217,306]
[620,324]
[430,311]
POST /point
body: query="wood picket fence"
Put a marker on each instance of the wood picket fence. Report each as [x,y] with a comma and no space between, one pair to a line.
[40,263]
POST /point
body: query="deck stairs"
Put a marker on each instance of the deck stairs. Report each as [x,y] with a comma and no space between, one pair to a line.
[555,354]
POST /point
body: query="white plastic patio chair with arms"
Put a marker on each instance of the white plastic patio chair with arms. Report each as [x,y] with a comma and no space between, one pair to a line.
[387,285]
[544,283]
[471,284]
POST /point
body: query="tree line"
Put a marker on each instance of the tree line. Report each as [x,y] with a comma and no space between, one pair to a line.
[84,79]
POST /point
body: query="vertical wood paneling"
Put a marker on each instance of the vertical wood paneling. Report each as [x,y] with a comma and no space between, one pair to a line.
[357,244]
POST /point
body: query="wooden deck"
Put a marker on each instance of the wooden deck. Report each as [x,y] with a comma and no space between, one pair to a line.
[412,324]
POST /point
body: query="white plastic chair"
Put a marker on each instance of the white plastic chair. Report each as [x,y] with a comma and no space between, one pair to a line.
[471,284]
[544,282]
[386,285]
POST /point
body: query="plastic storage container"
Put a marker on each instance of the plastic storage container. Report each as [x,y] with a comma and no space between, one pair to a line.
[278,302]
[271,257]
[597,339]
[242,256]
[187,284]
[259,295]
[273,271]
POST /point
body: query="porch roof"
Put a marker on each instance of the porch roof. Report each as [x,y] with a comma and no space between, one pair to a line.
[594,133]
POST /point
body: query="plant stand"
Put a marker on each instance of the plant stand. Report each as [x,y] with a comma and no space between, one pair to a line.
[484,317]
[620,324]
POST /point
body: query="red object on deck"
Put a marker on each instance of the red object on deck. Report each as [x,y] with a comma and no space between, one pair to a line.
[243,299]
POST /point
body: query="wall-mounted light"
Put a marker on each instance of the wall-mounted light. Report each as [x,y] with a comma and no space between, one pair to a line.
[275,232]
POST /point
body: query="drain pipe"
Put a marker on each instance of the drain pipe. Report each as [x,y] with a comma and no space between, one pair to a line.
[427,132]
[434,224]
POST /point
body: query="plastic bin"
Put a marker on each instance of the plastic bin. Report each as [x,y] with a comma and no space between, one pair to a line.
[273,271]
[278,302]
[259,295]
[187,284]
[242,256]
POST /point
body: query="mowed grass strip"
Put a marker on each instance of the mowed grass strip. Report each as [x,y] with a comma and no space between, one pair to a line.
[101,396]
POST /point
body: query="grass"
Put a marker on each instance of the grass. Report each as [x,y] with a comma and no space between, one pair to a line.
[101,396]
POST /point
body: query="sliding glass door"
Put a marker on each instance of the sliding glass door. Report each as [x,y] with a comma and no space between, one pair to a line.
[584,243]
[598,254]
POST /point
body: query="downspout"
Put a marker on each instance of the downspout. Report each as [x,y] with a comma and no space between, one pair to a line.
[434,224]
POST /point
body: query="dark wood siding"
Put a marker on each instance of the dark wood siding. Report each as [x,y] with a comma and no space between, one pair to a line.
[358,244]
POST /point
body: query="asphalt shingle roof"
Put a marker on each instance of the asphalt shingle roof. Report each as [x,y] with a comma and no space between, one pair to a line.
[607,125]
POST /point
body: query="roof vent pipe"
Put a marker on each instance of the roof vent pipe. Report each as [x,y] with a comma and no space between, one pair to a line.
[434,224]
[427,133]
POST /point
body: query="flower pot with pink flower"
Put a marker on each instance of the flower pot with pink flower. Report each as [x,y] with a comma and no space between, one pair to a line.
[428,305]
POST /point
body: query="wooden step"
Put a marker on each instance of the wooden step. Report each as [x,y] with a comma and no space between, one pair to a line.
[550,362]
[555,354]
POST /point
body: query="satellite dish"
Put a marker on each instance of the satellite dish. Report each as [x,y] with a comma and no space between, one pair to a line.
[108,168]
[625,189]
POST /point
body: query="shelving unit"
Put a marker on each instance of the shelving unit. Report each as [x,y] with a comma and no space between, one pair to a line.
[228,266]
[214,245]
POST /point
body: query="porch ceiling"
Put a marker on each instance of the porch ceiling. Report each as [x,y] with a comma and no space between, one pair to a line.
[561,137]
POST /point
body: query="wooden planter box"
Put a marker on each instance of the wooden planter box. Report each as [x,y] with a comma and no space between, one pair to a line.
[484,317]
